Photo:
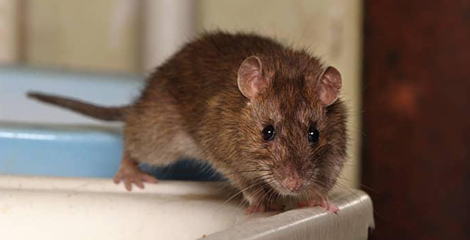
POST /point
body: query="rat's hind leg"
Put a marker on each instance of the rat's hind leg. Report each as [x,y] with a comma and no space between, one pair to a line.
[153,135]
[130,172]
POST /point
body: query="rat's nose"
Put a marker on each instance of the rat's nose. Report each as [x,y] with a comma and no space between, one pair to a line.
[293,183]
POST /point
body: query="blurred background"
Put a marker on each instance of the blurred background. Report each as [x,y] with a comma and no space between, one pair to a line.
[404,65]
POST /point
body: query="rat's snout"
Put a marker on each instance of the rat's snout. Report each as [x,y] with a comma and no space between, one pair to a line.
[289,180]
[293,183]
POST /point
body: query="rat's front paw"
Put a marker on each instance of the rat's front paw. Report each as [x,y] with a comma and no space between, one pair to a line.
[322,203]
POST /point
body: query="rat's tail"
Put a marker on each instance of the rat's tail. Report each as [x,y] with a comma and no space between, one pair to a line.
[103,113]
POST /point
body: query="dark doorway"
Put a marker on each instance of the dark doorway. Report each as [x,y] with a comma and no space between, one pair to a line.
[416,154]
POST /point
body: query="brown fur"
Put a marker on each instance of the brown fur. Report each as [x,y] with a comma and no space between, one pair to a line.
[192,106]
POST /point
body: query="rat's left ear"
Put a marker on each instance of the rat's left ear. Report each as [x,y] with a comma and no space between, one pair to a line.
[250,77]
[329,86]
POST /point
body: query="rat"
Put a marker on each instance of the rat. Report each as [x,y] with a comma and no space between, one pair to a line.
[266,116]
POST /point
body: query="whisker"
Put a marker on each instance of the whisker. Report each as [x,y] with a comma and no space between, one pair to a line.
[259,181]
[360,184]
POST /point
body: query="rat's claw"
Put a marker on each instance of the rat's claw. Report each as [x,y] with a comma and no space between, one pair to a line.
[139,183]
[138,178]
[333,208]
[128,184]
[322,203]
[148,178]
[117,178]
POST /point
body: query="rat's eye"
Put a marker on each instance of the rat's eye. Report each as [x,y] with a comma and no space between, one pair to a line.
[269,133]
[313,134]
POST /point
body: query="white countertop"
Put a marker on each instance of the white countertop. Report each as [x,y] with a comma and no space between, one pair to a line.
[84,208]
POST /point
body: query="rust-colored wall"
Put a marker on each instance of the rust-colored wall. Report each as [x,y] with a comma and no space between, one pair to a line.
[416,154]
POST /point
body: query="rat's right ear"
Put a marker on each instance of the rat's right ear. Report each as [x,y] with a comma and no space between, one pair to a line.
[250,77]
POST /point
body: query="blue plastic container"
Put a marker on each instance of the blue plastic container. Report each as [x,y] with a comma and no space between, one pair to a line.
[39,139]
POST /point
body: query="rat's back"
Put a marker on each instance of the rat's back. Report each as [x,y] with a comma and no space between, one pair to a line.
[206,68]
[211,62]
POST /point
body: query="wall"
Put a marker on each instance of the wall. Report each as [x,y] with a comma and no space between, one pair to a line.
[416,153]
[81,35]
[8,32]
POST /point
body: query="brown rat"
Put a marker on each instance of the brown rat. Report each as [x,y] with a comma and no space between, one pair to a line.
[265,116]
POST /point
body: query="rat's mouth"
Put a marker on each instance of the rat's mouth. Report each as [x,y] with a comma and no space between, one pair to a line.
[287,188]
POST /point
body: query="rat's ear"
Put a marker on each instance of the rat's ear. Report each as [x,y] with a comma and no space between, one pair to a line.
[329,86]
[250,77]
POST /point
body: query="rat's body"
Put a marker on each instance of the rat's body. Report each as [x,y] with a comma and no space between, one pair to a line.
[246,105]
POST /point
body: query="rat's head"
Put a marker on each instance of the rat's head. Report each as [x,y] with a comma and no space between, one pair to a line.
[293,124]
